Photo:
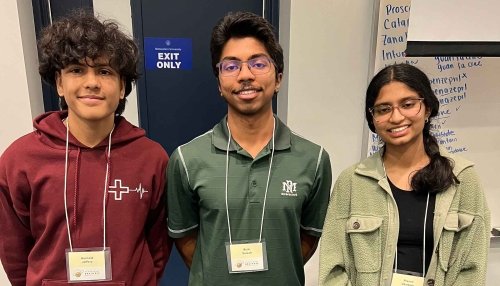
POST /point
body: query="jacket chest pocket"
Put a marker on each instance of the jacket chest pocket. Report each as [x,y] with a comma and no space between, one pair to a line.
[453,239]
[365,236]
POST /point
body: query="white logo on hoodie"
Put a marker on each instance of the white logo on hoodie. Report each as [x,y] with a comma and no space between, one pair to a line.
[118,189]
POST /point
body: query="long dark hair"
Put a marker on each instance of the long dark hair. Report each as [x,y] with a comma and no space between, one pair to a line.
[438,174]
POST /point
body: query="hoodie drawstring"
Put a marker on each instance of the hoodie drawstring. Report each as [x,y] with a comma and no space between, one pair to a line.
[75,197]
[106,184]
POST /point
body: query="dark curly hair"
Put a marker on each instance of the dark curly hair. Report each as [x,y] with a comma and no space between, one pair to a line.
[438,174]
[82,36]
[241,25]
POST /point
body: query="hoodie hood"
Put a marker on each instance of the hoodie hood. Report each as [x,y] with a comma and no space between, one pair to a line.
[52,131]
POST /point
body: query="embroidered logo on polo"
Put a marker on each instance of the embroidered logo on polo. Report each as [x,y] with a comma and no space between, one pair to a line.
[289,188]
[118,189]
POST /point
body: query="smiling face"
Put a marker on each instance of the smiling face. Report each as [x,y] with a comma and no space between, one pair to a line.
[247,94]
[398,130]
[92,90]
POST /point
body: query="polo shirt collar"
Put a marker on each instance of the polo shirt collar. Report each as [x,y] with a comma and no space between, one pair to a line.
[220,135]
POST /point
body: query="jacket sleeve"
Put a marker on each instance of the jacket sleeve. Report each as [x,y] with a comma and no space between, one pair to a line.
[157,238]
[334,257]
[16,240]
[472,251]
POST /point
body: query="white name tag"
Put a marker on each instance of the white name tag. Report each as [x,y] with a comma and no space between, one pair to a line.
[246,256]
[399,279]
[88,264]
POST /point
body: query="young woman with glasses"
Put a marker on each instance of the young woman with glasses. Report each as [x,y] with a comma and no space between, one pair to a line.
[410,214]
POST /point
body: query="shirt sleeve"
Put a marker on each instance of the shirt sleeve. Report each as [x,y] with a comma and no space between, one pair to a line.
[314,211]
[183,209]
[16,240]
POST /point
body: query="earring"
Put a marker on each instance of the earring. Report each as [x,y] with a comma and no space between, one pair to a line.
[427,120]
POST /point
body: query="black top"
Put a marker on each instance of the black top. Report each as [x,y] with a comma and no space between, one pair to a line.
[411,206]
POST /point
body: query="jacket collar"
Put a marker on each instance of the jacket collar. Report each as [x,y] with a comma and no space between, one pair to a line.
[373,167]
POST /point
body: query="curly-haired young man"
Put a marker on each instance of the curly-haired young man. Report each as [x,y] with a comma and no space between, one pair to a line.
[82,196]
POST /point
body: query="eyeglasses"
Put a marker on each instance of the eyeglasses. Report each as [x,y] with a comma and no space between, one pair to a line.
[407,108]
[258,65]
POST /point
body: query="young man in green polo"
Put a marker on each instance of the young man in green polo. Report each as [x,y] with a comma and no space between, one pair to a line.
[247,199]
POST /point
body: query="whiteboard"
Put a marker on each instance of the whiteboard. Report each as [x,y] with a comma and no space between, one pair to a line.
[455,20]
[468,89]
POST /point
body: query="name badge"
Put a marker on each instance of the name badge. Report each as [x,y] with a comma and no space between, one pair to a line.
[88,264]
[399,279]
[245,256]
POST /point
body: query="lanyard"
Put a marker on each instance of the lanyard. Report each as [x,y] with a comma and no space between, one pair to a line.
[267,184]
[105,188]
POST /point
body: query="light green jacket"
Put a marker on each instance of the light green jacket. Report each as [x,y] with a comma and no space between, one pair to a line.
[362,225]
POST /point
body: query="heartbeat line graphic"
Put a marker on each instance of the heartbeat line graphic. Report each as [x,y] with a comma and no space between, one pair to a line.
[118,189]
[140,190]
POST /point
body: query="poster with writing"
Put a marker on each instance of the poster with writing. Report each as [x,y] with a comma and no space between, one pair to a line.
[468,89]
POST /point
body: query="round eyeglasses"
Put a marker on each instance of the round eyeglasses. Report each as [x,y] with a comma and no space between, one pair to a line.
[407,108]
[257,66]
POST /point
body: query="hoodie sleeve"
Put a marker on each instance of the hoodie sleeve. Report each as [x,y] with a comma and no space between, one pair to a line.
[16,240]
[159,243]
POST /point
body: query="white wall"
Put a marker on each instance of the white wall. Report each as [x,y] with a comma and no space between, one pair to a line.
[19,71]
[21,94]
[328,63]
[327,44]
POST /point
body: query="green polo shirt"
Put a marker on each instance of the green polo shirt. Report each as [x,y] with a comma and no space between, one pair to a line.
[297,199]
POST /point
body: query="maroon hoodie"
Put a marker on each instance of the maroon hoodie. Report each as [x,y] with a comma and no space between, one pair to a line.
[33,232]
